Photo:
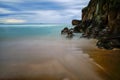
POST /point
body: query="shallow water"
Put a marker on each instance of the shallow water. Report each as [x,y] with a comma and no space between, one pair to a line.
[47,57]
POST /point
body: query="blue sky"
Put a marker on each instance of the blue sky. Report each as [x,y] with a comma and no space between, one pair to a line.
[40,11]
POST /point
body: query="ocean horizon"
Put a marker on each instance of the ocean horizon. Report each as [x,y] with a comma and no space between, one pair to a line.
[12,31]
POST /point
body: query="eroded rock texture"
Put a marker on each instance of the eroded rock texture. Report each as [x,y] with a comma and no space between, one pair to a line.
[100,16]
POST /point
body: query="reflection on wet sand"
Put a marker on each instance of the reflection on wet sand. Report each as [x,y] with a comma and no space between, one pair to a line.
[108,59]
[46,60]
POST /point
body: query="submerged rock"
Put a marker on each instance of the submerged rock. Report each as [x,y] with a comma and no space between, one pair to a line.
[65,30]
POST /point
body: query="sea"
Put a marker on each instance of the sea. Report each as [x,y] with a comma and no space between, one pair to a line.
[40,52]
[13,31]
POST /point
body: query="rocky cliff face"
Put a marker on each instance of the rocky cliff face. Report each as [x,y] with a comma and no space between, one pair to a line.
[101,15]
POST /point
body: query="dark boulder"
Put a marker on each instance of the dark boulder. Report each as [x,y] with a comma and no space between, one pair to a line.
[65,30]
[76,22]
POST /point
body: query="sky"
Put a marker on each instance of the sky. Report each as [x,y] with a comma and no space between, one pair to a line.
[41,11]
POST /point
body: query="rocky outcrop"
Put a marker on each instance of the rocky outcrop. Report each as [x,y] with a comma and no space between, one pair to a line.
[101,18]
[77,24]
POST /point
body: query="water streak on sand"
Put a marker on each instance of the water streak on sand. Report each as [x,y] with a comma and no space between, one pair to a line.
[41,58]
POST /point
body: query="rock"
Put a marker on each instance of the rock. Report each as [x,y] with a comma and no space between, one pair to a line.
[69,34]
[100,14]
[76,29]
[65,30]
[76,22]
[100,18]
[109,42]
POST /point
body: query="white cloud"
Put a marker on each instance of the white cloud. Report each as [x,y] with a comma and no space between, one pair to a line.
[51,16]
[4,11]
[12,20]
[46,16]
[69,1]
[72,3]
[71,10]
[13,1]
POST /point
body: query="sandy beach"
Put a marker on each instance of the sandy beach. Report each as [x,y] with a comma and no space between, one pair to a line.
[107,59]
[49,59]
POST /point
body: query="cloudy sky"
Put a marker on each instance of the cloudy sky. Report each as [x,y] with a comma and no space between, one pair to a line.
[40,11]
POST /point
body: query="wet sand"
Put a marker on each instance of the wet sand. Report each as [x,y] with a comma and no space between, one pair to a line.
[48,59]
[108,60]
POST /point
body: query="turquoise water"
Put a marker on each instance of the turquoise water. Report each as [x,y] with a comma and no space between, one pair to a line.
[30,52]
[20,31]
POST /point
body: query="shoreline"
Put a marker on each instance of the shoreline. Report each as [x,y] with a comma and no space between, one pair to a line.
[107,60]
[69,58]
[46,60]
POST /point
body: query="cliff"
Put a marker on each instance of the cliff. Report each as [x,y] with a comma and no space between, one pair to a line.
[100,16]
